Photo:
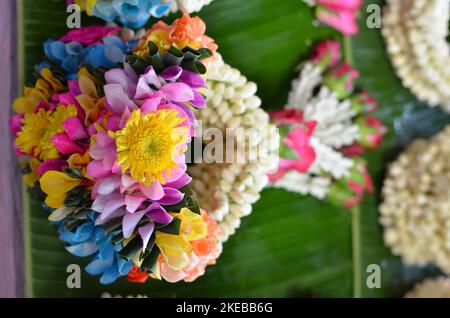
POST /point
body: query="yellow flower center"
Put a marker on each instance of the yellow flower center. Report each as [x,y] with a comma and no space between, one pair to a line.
[148,145]
[38,128]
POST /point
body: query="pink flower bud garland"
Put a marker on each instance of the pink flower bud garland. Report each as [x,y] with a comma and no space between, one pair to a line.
[325,128]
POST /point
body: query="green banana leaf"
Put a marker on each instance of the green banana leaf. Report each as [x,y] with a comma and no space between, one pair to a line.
[291,245]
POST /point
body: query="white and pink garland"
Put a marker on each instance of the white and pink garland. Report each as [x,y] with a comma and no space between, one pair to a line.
[325,127]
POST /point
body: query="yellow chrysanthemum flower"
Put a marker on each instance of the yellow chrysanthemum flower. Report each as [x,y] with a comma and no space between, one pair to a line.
[149,144]
[33,130]
[38,128]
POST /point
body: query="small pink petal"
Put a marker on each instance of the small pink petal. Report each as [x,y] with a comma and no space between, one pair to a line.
[96,169]
[51,164]
[133,202]
[154,192]
[108,185]
[74,128]
[65,145]
[178,92]
[111,206]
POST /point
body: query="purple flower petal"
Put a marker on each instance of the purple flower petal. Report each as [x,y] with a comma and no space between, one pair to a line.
[129,222]
[154,192]
[108,185]
[143,91]
[192,79]
[133,202]
[111,206]
[117,98]
[178,92]
[198,101]
[151,77]
[119,76]
[182,181]
[172,73]
[103,218]
[146,232]
[157,213]
[172,196]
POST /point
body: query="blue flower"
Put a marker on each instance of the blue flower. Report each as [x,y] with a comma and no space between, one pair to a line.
[132,13]
[70,56]
[91,240]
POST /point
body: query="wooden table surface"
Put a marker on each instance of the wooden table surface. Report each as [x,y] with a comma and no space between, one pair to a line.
[11,213]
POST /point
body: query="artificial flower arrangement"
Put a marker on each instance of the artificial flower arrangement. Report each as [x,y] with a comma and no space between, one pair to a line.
[325,127]
[136,13]
[338,14]
[102,136]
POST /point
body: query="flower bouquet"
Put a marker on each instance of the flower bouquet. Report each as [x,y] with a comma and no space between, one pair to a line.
[325,128]
[102,136]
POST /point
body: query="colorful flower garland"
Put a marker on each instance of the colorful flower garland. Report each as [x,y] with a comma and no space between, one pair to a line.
[325,128]
[338,14]
[136,13]
[103,146]
[416,35]
[416,203]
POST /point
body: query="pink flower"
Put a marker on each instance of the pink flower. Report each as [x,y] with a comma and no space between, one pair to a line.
[326,53]
[342,20]
[104,155]
[15,123]
[363,102]
[75,129]
[65,145]
[89,35]
[350,192]
[371,132]
[296,152]
[340,80]
[174,88]
[51,164]
[341,5]
[353,150]
[287,117]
